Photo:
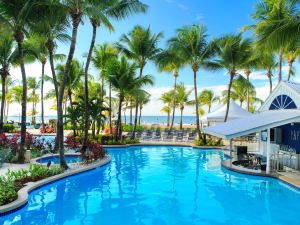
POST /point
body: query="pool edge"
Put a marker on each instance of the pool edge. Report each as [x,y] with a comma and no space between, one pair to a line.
[24,192]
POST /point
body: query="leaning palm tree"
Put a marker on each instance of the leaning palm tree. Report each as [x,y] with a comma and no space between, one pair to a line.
[170,61]
[232,52]
[182,99]
[18,16]
[191,44]
[139,45]
[122,76]
[167,99]
[242,90]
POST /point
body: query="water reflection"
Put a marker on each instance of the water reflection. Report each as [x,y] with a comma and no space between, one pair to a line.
[159,185]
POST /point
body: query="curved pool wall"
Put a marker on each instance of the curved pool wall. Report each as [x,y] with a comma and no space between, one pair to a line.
[70,159]
[161,185]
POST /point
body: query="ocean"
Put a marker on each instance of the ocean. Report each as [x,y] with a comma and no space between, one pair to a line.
[144,119]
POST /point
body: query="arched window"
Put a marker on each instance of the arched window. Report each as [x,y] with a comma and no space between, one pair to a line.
[282,102]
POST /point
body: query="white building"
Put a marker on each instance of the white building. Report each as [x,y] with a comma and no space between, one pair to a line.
[277,126]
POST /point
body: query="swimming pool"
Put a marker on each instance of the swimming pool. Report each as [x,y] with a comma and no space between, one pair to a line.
[55,159]
[161,186]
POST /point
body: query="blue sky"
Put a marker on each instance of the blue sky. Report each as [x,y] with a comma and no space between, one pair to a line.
[219,16]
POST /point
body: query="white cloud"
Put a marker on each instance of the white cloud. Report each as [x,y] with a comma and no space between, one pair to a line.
[182,6]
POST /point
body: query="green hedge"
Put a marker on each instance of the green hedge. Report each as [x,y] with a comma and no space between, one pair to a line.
[128,127]
[9,128]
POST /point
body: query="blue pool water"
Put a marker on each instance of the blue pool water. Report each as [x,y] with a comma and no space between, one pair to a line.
[55,159]
[161,186]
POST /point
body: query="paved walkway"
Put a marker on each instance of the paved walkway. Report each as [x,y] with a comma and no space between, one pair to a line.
[11,166]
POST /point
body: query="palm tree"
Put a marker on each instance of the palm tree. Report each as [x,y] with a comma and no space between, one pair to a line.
[16,94]
[182,99]
[207,98]
[121,75]
[242,90]
[276,25]
[103,55]
[73,79]
[105,9]
[167,98]
[33,97]
[7,58]
[191,44]
[143,98]
[139,45]
[267,62]
[232,53]
[170,61]
[291,53]
[18,16]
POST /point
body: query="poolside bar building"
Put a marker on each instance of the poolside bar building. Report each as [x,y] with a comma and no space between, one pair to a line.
[276,127]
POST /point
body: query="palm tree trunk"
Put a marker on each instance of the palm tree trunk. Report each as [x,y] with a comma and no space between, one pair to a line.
[140,117]
[60,122]
[124,113]
[228,96]
[130,113]
[269,74]
[136,109]
[248,86]
[174,105]
[181,112]
[290,64]
[280,64]
[2,103]
[110,122]
[86,88]
[118,132]
[21,157]
[196,104]
[32,116]
[168,119]
[42,93]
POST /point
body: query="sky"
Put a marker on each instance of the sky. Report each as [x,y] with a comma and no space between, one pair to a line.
[219,16]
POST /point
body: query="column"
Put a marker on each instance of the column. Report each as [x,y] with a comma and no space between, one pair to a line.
[230,149]
[268,151]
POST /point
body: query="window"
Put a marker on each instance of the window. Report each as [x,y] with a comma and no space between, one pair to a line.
[282,102]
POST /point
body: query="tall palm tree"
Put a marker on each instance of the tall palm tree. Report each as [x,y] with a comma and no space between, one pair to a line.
[168,99]
[7,58]
[18,16]
[103,55]
[267,62]
[33,97]
[122,76]
[171,62]
[139,45]
[16,94]
[105,9]
[182,99]
[291,53]
[191,44]
[275,26]
[75,74]
[232,52]
[207,98]
[143,98]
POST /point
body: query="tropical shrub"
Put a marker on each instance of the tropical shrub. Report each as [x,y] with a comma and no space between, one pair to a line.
[72,142]
[128,127]
[8,191]
[13,181]
[209,142]
[5,154]
[9,128]
[93,152]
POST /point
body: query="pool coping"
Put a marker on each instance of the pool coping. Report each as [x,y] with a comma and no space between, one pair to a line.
[227,164]
[24,192]
[35,160]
